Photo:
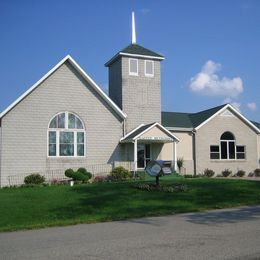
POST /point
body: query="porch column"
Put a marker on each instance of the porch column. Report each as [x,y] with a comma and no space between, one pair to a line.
[135,156]
[175,156]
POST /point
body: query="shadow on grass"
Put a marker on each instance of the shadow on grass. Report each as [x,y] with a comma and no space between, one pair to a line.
[120,201]
[225,216]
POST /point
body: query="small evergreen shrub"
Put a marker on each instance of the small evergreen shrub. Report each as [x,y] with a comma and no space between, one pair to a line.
[120,173]
[85,172]
[209,173]
[69,173]
[257,172]
[226,172]
[35,178]
[240,173]
[188,176]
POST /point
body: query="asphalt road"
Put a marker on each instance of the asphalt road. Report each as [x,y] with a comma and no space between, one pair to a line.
[220,234]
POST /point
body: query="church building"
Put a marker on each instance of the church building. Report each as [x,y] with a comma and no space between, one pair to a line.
[65,120]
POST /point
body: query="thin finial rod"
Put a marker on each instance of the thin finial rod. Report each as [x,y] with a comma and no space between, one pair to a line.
[133,29]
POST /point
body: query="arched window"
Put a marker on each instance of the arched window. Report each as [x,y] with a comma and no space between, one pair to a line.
[66,136]
[227,146]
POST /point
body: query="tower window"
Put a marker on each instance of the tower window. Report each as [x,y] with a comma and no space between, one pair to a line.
[133,67]
[149,68]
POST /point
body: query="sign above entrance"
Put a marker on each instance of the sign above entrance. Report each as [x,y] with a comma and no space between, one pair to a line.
[156,138]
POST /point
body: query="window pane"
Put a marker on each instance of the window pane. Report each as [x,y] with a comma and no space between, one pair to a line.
[71,121]
[53,123]
[240,148]
[66,137]
[80,138]
[214,156]
[52,137]
[214,148]
[241,156]
[133,66]
[61,120]
[223,150]
[52,149]
[227,136]
[80,149]
[231,146]
[149,67]
[78,124]
[66,149]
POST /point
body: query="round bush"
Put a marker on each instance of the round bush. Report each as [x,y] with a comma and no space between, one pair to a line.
[85,172]
[226,172]
[34,179]
[79,176]
[240,173]
[209,173]
[120,173]
[69,173]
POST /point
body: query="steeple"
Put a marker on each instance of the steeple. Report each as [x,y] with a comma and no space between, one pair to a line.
[133,29]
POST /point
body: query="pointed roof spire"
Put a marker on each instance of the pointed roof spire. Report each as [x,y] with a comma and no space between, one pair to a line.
[133,29]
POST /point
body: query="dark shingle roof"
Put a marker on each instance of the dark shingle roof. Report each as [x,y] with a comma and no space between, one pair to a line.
[135,49]
[188,120]
[138,49]
[256,124]
[137,132]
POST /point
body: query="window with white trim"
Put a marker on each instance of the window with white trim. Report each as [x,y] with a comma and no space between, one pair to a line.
[227,149]
[149,68]
[133,67]
[66,136]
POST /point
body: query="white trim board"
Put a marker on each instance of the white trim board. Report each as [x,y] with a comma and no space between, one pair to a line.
[85,76]
[235,112]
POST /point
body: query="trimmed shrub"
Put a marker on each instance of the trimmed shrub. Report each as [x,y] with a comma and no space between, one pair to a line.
[240,173]
[209,173]
[69,173]
[85,172]
[257,172]
[79,176]
[226,172]
[35,178]
[188,176]
[120,173]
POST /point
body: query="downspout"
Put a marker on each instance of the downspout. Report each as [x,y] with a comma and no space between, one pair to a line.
[194,151]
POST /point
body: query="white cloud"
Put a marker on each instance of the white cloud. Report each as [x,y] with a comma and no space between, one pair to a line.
[235,104]
[252,106]
[207,82]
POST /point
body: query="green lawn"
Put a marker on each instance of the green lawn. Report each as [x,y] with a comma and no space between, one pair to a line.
[27,208]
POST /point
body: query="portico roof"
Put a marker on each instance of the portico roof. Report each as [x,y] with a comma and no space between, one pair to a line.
[144,133]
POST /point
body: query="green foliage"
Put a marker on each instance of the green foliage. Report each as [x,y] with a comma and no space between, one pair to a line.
[188,176]
[180,162]
[257,172]
[209,173]
[226,173]
[163,188]
[81,175]
[85,172]
[120,173]
[69,173]
[240,173]
[35,178]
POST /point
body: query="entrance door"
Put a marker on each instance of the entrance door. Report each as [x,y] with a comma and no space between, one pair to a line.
[143,155]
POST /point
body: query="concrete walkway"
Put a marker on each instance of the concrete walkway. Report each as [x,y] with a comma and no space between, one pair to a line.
[219,234]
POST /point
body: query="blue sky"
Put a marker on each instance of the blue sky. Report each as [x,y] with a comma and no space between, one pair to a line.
[212,48]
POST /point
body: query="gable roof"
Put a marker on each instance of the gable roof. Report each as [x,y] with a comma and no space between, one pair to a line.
[136,50]
[190,121]
[82,73]
[141,129]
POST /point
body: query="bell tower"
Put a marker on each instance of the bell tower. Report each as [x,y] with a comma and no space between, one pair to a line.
[135,83]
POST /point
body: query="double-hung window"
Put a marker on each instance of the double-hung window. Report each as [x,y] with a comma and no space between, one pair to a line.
[149,68]
[133,67]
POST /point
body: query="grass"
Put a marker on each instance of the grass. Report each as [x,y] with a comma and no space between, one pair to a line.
[28,208]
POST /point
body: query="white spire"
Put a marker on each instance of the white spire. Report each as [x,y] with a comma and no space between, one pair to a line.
[133,29]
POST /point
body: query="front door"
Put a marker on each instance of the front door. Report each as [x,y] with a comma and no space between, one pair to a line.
[143,155]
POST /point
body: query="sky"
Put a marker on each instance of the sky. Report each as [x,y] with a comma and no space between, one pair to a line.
[211,48]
